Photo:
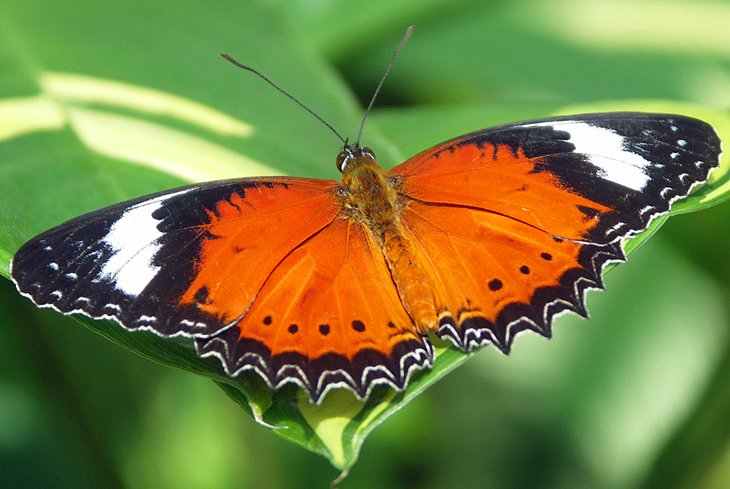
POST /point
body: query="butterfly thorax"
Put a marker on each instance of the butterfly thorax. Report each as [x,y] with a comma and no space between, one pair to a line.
[370,196]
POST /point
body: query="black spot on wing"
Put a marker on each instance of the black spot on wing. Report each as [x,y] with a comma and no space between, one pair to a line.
[201,296]
[494,284]
[589,212]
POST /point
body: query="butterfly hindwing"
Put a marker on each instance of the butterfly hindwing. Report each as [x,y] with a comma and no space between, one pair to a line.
[500,275]
[520,220]
[328,315]
[187,261]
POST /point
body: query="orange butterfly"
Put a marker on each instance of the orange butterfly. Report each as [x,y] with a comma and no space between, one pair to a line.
[337,284]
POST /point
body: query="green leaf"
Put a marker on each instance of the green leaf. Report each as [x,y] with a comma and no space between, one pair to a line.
[93,116]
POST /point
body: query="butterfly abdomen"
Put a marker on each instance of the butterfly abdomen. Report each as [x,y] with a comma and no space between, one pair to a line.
[412,281]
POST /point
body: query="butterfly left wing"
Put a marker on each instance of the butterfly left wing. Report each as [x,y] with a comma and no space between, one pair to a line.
[518,221]
[264,273]
[183,262]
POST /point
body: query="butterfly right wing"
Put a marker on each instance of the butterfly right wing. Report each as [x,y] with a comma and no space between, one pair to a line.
[188,261]
[516,222]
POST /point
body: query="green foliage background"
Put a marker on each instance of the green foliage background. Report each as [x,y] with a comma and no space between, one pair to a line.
[637,397]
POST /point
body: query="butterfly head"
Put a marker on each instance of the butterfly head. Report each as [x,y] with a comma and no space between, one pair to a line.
[353,155]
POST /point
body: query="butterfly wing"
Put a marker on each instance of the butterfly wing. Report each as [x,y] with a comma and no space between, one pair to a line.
[188,261]
[328,315]
[262,272]
[520,220]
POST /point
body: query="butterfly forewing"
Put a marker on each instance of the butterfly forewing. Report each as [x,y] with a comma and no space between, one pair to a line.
[594,177]
[189,261]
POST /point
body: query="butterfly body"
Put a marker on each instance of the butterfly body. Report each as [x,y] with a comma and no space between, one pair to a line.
[371,197]
[338,284]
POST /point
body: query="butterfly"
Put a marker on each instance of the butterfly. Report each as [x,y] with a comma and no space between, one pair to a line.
[331,284]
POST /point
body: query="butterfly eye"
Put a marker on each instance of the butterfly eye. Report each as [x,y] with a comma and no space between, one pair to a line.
[342,160]
[368,152]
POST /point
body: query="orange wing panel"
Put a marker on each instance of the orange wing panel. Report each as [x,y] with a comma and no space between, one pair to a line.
[329,313]
[499,275]
[247,235]
[502,181]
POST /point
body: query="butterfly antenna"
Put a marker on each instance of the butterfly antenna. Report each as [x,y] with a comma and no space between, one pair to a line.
[402,43]
[291,97]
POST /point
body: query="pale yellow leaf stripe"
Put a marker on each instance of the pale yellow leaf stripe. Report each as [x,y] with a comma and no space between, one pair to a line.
[72,88]
[66,101]
[24,115]
[164,148]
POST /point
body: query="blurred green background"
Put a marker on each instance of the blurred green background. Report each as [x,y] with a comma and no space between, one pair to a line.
[639,397]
